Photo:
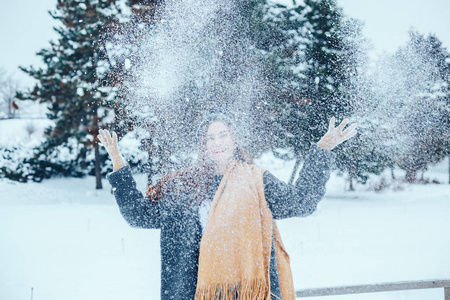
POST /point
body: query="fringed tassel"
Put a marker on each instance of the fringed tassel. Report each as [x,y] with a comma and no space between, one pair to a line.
[245,290]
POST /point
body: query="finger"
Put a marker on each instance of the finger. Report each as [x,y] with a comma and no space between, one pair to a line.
[114,138]
[350,128]
[100,135]
[350,135]
[342,125]
[107,137]
[331,125]
[103,134]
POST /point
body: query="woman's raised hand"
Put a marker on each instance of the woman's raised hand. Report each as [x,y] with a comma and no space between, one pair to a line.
[335,136]
[112,147]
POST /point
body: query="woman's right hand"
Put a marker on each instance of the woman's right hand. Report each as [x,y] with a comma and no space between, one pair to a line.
[112,147]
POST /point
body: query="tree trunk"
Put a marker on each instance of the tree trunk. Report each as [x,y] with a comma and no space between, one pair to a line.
[410,176]
[11,108]
[350,180]
[449,169]
[294,171]
[98,177]
[392,173]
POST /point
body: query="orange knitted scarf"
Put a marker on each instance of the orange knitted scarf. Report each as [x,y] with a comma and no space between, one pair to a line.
[235,247]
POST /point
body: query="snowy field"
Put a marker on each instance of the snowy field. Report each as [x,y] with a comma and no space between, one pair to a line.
[68,241]
[18,132]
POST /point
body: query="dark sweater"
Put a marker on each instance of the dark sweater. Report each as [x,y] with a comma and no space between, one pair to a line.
[180,225]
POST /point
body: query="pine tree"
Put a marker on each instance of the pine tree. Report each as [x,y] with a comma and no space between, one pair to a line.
[363,154]
[224,38]
[141,19]
[403,111]
[425,116]
[311,73]
[74,83]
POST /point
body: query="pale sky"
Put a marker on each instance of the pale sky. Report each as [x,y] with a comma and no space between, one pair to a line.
[387,22]
[26,27]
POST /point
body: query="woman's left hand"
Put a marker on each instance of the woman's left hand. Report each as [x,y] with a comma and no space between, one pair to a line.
[335,136]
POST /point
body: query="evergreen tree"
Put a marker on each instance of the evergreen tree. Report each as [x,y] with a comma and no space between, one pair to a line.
[74,84]
[364,154]
[312,73]
[216,61]
[403,112]
[425,115]
[122,42]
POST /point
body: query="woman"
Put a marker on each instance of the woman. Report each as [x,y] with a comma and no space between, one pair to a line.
[219,238]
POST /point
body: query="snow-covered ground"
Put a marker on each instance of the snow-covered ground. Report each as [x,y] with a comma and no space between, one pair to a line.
[68,241]
[18,132]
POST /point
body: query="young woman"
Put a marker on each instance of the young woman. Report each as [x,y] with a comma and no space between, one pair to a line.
[219,238]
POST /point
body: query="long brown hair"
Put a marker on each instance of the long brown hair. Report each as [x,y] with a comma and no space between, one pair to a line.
[197,179]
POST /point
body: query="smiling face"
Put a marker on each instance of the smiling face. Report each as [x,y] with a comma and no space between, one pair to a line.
[220,144]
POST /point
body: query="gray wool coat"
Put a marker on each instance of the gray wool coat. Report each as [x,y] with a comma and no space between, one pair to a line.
[180,225]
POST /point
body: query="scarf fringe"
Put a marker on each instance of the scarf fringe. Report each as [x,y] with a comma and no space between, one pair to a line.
[246,290]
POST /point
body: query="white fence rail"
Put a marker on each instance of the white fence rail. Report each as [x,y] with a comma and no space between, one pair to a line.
[379,287]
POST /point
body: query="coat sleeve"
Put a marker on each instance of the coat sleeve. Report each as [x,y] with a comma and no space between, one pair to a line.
[301,199]
[136,209]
